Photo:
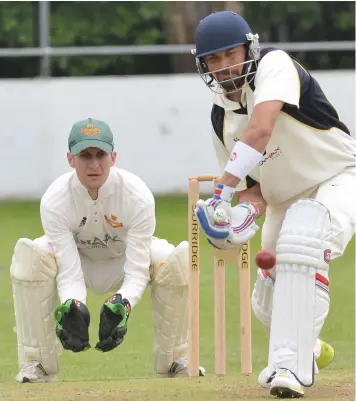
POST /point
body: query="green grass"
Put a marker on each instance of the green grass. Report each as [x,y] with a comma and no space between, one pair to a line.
[127,372]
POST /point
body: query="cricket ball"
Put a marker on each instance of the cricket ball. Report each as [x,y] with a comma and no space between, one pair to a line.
[266,259]
[220,216]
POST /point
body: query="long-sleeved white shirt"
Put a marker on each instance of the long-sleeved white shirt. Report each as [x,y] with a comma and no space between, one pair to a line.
[121,221]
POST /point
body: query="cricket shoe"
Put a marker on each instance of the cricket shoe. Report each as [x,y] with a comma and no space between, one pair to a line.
[324,355]
[34,372]
[179,368]
[285,385]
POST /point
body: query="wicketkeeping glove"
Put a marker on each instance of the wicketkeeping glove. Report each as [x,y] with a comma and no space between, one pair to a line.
[72,325]
[113,322]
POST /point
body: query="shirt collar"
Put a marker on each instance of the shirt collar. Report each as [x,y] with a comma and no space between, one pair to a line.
[229,105]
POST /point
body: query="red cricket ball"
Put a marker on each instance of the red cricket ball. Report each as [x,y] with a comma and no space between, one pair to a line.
[266,259]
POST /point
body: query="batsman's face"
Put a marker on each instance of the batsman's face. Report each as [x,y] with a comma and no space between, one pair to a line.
[92,166]
[227,66]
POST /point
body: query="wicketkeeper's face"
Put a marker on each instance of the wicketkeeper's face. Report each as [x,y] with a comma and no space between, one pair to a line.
[92,166]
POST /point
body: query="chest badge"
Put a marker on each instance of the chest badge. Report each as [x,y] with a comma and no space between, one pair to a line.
[112,220]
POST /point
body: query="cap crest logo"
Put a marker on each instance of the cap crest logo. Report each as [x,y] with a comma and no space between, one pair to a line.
[90,130]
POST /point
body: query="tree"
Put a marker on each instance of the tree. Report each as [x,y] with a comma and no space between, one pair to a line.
[76,23]
[105,23]
[182,18]
[305,22]
[18,29]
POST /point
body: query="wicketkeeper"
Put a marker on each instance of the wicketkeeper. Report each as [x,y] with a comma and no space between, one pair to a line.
[98,224]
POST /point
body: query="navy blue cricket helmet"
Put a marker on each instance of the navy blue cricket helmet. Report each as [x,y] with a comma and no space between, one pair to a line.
[225,30]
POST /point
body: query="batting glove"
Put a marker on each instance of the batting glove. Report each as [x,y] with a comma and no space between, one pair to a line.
[215,213]
[243,226]
[223,243]
[241,229]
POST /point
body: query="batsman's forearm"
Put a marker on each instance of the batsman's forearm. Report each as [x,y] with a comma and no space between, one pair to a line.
[229,180]
[256,138]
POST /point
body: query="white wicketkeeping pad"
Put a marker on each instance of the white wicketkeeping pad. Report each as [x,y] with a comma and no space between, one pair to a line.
[33,275]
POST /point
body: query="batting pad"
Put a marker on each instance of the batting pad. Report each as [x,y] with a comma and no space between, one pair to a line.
[261,299]
[33,275]
[300,303]
[170,306]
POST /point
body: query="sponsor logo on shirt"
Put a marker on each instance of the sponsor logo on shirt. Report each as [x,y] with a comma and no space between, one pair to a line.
[271,156]
[233,156]
[96,242]
[112,220]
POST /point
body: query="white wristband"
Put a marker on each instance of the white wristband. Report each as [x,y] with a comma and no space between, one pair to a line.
[243,159]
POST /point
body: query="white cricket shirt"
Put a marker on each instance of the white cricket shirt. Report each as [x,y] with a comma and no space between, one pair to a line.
[121,221]
[309,143]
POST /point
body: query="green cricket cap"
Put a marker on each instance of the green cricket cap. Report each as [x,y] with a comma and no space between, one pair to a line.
[90,133]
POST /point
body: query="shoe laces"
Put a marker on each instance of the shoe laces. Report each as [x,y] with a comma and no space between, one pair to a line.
[179,364]
[182,360]
[271,377]
[30,367]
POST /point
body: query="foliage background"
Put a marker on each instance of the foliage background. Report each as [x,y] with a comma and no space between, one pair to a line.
[100,23]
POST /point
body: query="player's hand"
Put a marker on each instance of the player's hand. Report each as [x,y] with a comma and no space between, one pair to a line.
[72,325]
[243,226]
[113,323]
[214,214]
[223,244]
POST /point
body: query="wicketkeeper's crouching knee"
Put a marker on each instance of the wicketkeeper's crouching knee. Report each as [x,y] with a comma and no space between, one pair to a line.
[33,272]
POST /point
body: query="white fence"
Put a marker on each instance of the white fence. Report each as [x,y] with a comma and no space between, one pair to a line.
[161,125]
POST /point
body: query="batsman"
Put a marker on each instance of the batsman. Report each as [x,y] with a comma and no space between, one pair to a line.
[98,223]
[286,153]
